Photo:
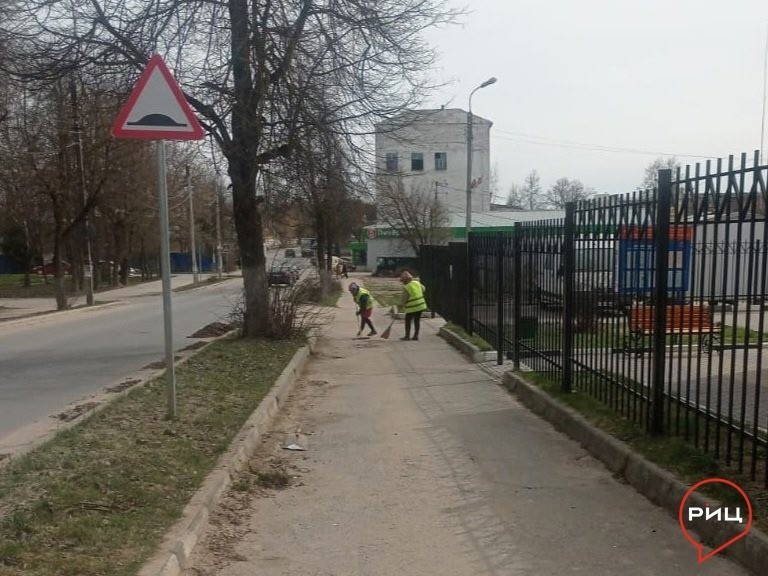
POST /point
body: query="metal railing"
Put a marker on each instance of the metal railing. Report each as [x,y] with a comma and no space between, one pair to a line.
[653,302]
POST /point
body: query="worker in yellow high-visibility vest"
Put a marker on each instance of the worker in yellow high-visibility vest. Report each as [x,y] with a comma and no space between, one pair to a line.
[413,303]
[364,303]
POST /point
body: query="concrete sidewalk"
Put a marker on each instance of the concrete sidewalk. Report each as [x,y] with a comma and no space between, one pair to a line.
[419,463]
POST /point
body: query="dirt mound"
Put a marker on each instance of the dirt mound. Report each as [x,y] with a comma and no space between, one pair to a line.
[213,330]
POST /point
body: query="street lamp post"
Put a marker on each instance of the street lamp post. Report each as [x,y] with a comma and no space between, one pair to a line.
[193,247]
[77,132]
[219,260]
[218,229]
[468,225]
[765,80]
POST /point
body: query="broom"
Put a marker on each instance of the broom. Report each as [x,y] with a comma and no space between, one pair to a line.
[388,330]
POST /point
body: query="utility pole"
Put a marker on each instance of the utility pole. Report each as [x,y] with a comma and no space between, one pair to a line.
[765,80]
[219,247]
[468,216]
[470,136]
[219,263]
[195,274]
[88,264]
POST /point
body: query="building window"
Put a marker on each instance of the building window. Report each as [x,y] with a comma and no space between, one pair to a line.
[441,161]
[417,162]
[391,161]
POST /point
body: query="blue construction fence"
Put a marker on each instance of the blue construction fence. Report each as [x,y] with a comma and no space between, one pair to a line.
[181,263]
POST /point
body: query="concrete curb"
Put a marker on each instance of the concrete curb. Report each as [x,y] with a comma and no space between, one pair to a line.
[658,485]
[467,348]
[173,556]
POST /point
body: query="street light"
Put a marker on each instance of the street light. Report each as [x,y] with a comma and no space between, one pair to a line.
[195,275]
[765,78]
[218,229]
[468,226]
[77,132]
[219,261]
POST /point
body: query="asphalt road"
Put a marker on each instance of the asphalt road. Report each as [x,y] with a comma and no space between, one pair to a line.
[49,363]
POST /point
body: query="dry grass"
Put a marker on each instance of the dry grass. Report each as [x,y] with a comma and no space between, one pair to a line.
[387,291]
[98,498]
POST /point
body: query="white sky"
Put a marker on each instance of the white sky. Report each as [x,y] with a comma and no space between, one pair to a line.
[677,77]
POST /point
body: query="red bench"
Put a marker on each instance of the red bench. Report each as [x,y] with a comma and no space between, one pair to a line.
[680,320]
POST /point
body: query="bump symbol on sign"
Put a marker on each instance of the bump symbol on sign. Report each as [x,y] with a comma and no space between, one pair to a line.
[156,120]
[157,108]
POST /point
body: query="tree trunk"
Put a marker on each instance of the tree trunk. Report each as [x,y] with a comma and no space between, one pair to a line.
[241,153]
[320,244]
[250,236]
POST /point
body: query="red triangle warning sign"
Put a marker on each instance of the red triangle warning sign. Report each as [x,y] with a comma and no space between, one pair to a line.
[156,109]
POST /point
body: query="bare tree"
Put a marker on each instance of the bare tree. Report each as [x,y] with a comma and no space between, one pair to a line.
[47,196]
[651,174]
[564,191]
[246,67]
[310,185]
[493,184]
[416,213]
[515,198]
[531,193]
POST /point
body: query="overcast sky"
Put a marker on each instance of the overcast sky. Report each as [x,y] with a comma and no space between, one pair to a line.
[650,77]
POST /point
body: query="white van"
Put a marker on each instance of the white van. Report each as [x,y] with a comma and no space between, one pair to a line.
[596,265]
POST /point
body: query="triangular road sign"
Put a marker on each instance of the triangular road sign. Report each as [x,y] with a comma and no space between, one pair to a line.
[156,109]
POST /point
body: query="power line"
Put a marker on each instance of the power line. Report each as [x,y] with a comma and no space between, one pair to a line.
[546,141]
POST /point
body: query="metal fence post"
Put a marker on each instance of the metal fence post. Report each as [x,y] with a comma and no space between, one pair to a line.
[431,290]
[661,234]
[569,270]
[516,297]
[469,285]
[500,241]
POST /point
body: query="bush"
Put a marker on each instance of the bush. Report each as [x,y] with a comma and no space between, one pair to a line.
[324,290]
[294,309]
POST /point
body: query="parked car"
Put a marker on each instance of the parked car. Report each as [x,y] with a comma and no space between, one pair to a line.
[393,266]
[48,269]
[307,252]
[350,267]
[290,253]
[283,273]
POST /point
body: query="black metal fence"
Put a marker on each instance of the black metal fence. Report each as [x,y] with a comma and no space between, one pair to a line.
[446,268]
[653,302]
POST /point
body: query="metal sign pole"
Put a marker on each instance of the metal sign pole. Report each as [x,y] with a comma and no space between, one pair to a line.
[165,269]
[157,110]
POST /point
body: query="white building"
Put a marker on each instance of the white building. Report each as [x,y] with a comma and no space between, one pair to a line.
[428,148]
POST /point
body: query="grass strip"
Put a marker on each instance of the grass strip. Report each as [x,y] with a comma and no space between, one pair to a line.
[473,339]
[98,498]
[12,286]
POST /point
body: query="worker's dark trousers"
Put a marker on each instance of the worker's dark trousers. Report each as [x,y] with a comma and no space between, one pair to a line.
[415,319]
